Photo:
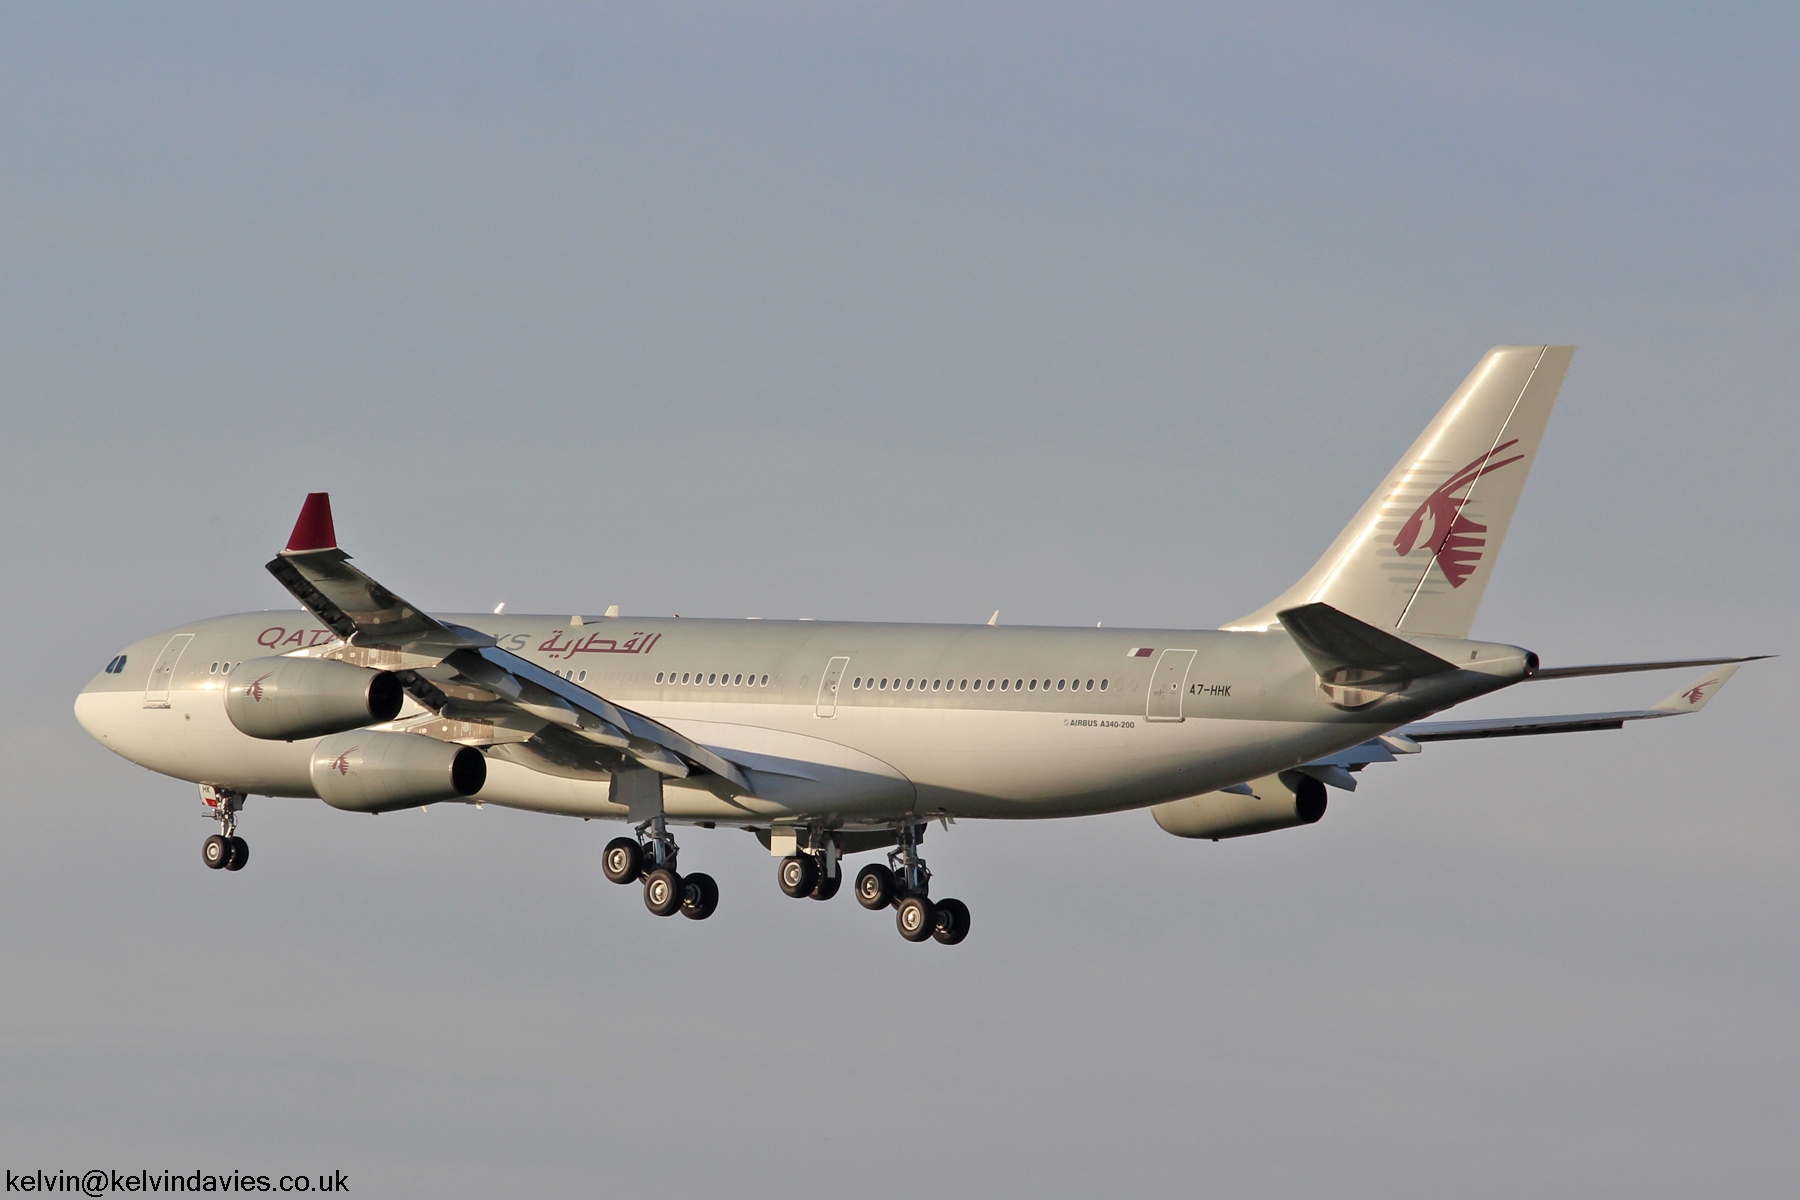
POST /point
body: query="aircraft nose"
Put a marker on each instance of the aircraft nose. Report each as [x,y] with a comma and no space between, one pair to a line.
[91,707]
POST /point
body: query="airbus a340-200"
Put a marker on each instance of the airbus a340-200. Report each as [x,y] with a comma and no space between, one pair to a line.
[828,739]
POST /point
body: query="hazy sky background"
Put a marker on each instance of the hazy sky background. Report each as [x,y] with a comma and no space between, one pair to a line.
[915,311]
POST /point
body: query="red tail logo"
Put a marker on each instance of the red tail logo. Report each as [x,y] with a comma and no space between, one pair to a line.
[1456,542]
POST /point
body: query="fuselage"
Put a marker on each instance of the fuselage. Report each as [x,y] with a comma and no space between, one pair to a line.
[853,724]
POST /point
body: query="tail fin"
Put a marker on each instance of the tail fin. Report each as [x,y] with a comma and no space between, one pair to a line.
[1418,555]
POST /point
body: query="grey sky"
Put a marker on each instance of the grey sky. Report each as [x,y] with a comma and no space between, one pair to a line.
[1081,313]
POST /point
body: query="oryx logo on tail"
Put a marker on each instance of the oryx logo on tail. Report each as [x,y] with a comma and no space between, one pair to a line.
[1456,542]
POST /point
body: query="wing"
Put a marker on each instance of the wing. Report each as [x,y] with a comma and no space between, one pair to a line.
[481,694]
[1336,769]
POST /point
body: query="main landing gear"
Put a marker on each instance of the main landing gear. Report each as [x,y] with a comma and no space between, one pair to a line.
[224,849]
[904,885]
[651,857]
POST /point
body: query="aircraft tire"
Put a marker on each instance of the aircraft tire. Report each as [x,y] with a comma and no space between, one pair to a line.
[827,886]
[952,924]
[700,896]
[875,887]
[240,853]
[915,918]
[797,874]
[623,860]
[214,852]
[663,892]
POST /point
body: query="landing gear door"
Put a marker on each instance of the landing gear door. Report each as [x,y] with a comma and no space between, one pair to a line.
[828,687]
[1167,684]
[156,692]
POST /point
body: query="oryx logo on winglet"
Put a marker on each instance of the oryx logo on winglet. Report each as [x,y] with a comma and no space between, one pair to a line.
[1453,536]
[1697,693]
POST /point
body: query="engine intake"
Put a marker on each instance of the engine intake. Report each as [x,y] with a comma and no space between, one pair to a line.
[286,699]
[1281,802]
[376,771]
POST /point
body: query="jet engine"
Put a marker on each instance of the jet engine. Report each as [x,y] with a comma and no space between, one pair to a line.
[1279,802]
[287,699]
[371,771]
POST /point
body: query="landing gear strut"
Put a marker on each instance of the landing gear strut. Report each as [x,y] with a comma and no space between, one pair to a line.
[812,870]
[224,849]
[905,883]
[651,856]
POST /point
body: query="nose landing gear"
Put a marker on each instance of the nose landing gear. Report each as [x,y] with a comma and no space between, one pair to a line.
[225,849]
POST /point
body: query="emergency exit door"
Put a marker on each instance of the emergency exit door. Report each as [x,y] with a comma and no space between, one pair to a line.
[156,692]
[828,687]
[1167,684]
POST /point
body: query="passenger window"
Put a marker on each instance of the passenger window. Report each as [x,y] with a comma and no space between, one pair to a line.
[582,678]
[856,684]
[1059,685]
[1034,685]
[1090,685]
[659,676]
[909,684]
[738,681]
[1003,685]
[936,684]
[1103,685]
[964,686]
[765,682]
[684,677]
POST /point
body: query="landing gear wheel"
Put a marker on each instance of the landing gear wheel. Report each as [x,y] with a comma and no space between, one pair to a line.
[622,860]
[827,886]
[915,917]
[214,852]
[662,892]
[699,896]
[874,886]
[798,875]
[952,924]
[240,853]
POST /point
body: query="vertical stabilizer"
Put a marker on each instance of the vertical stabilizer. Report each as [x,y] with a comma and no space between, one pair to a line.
[1418,555]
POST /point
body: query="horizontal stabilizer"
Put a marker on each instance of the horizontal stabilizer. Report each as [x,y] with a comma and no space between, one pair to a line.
[1627,668]
[1344,649]
[1689,699]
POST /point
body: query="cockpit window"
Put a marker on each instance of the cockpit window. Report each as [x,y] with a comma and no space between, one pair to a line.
[116,665]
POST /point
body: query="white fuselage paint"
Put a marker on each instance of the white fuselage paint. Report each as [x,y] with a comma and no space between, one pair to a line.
[1248,706]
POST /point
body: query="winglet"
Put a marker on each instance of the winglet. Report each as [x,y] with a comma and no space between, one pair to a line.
[313,531]
[1693,698]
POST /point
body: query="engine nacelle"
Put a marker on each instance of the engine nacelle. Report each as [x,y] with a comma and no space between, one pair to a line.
[1281,802]
[373,771]
[287,699]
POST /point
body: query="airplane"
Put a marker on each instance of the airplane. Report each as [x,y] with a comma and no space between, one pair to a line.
[829,739]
